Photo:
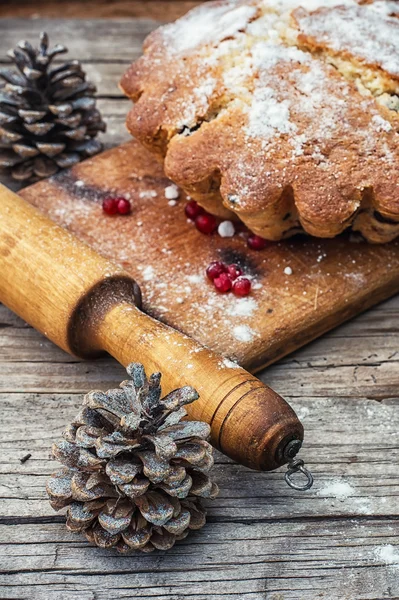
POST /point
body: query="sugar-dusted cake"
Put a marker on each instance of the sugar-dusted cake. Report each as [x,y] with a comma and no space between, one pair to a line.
[284,113]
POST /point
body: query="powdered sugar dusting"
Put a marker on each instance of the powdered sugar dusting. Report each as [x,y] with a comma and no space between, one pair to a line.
[268,116]
[381,124]
[336,488]
[388,554]
[243,333]
[230,364]
[288,5]
[369,36]
[244,307]
[148,273]
[207,25]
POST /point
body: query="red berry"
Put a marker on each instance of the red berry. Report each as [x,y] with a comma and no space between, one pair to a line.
[241,286]
[234,271]
[192,210]
[206,223]
[222,283]
[110,206]
[215,269]
[124,206]
[255,242]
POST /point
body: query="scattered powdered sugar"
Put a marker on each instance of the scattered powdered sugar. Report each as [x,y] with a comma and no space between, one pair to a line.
[341,490]
[243,307]
[195,278]
[172,192]
[387,554]
[282,6]
[236,78]
[266,55]
[207,24]
[371,37]
[148,273]
[148,194]
[302,412]
[243,333]
[230,364]
[386,7]
[268,115]
[226,229]
[279,105]
[381,124]
[198,104]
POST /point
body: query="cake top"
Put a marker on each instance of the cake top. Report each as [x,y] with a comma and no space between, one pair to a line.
[276,93]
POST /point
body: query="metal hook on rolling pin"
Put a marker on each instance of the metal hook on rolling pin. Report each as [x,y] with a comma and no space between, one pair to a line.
[296,465]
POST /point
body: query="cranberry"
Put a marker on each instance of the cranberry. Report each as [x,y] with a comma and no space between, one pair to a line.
[241,286]
[206,223]
[255,242]
[110,206]
[124,206]
[215,269]
[222,283]
[192,210]
[234,271]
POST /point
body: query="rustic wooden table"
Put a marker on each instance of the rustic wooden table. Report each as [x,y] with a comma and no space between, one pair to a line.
[262,541]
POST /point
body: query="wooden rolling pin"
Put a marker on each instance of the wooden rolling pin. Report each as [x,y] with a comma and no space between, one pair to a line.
[87,305]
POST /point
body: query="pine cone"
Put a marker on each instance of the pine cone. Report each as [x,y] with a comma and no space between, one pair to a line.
[48,118]
[134,473]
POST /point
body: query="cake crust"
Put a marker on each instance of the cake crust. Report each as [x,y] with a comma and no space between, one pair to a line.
[271,111]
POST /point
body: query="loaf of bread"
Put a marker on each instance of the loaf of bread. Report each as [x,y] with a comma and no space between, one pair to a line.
[282,113]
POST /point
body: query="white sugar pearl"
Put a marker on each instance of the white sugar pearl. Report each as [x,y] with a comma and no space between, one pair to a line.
[288,271]
[226,229]
[172,192]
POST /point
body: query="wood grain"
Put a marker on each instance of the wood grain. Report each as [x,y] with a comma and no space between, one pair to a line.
[262,541]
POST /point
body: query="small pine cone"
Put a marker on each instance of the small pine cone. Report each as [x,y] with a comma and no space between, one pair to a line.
[48,116]
[134,473]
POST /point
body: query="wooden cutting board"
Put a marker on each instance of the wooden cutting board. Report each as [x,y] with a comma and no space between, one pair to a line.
[331,280]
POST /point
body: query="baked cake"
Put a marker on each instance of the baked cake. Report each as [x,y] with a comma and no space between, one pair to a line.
[284,113]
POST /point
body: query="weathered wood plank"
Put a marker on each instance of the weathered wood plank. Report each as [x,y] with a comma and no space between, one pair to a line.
[375,380]
[256,561]
[168,10]
[263,541]
[95,40]
[353,442]
[28,345]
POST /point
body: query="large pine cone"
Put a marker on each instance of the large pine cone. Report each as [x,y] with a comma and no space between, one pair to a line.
[48,116]
[134,472]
